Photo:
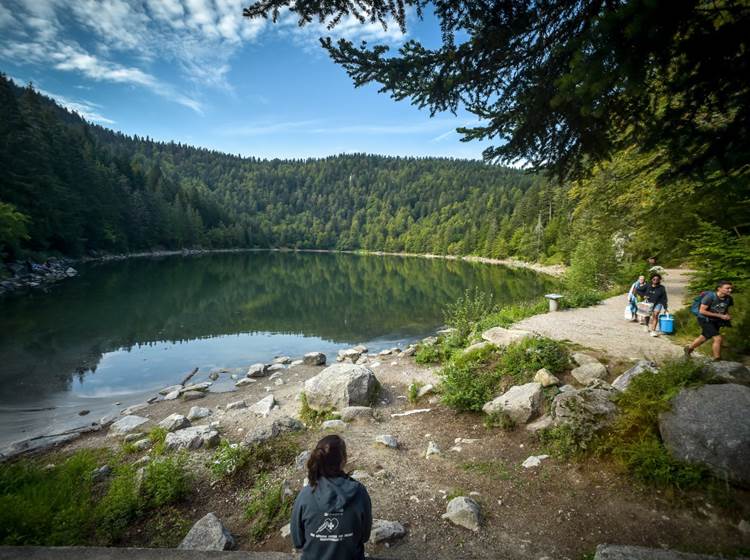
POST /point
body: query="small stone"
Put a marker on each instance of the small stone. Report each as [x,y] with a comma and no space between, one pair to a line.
[126,424]
[263,407]
[334,425]
[296,363]
[142,444]
[314,359]
[143,461]
[282,360]
[245,381]
[588,373]
[236,405]
[534,461]
[383,531]
[360,475]
[464,512]
[387,440]
[278,382]
[208,534]
[132,437]
[542,423]
[257,370]
[582,359]
[286,531]
[204,386]
[197,412]
[172,396]
[170,389]
[502,337]
[213,376]
[623,381]
[174,422]
[192,395]
[432,449]
[545,378]
[275,367]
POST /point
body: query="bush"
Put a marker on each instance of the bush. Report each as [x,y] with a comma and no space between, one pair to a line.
[269,507]
[311,417]
[634,438]
[580,298]
[506,316]
[119,506]
[439,352]
[228,459]
[471,380]
[568,440]
[523,359]
[469,310]
[166,481]
[157,436]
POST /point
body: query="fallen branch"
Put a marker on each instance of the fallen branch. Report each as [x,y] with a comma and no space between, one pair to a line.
[189,376]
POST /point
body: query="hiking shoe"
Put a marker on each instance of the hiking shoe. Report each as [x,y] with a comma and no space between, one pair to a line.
[654,333]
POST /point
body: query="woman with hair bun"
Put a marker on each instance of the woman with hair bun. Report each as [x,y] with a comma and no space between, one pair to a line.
[332,517]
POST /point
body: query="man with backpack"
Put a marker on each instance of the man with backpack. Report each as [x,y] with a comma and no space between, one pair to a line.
[712,309]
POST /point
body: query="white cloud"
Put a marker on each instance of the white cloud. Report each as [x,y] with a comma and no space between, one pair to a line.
[315,127]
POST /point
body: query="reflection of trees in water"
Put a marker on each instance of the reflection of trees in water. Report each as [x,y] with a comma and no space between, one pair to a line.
[342,298]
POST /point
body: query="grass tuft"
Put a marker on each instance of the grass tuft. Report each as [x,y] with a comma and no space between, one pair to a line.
[311,417]
[269,507]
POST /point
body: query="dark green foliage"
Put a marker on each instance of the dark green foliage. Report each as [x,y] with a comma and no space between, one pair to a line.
[439,352]
[157,435]
[119,505]
[568,440]
[592,265]
[634,439]
[228,459]
[523,359]
[467,311]
[311,417]
[269,507]
[581,298]
[509,314]
[413,392]
[165,481]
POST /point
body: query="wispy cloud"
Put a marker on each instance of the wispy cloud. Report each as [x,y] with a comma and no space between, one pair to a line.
[319,127]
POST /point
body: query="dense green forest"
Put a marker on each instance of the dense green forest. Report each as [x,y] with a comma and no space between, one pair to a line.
[69,187]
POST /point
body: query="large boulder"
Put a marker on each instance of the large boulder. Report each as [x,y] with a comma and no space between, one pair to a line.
[581,359]
[588,373]
[208,534]
[546,378]
[174,422]
[623,381]
[521,402]
[314,359]
[503,337]
[279,426]
[383,531]
[590,406]
[341,385]
[726,372]
[126,425]
[264,406]
[191,438]
[709,426]
[463,511]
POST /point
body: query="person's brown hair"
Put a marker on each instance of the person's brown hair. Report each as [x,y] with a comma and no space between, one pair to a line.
[326,459]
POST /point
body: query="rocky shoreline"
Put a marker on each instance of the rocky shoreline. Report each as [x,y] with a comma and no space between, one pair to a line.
[28,274]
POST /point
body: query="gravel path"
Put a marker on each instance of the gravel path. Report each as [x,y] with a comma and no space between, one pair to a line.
[602,327]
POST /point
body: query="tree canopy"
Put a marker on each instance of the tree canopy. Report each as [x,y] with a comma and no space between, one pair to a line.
[565,84]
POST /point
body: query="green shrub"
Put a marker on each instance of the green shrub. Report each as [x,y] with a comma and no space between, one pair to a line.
[269,507]
[228,459]
[468,310]
[46,507]
[634,438]
[580,298]
[568,440]
[120,504]
[523,359]
[592,264]
[413,392]
[157,435]
[166,481]
[311,417]
[506,316]
[439,352]
[274,453]
[471,380]
[499,420]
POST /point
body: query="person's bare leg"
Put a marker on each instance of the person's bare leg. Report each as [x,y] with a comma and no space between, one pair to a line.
[716,347]
[697,342]
[654,320]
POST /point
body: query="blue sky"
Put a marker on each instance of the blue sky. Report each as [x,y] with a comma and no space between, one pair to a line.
[197,72]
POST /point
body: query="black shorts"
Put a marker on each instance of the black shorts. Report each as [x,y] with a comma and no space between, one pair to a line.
[710,329]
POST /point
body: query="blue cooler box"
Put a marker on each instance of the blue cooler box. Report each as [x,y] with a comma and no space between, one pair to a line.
[666,323]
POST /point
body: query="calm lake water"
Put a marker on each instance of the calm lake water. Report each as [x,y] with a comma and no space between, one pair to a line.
[122,330]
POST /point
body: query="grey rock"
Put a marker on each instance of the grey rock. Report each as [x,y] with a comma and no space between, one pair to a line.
[349,354]
[314,359]
[133,409]
[296,363]
[142,462]
[245,381]
[203,386]
[192,395]
[142,444]
[191,438]
[257,370]
[208,534]
[726,372]
[172,396]
[174,422]
[236,405]
[282,360]
[361,348]
[425,390]
[587,373]
[477,346]
[279,426]
[410,351]
[464,512]
[263,407]
[542,423]
[590,406]
[429,341]
[286,531]
[350,413]
[626,552]
[213,376]
[583,359]
[300,462]
[503,337]
[567,388]
[100,473]
[521,402]
[709,426]
[360,475]
[275,367]
[622,381]
[170,389]
[341,385]
[387,440]
[383,531]
[198,412]
[334,425]
[545,378]
[133,436]
[432,449]
[126,424]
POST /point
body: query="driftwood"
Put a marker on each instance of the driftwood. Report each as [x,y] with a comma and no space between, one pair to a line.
[189,377]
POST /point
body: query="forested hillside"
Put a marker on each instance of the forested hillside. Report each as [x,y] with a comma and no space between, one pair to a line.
[72,187]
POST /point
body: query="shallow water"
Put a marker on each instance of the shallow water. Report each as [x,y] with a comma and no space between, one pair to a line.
[122,330]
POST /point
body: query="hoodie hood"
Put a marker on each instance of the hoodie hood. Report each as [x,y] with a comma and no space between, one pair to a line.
[334,493]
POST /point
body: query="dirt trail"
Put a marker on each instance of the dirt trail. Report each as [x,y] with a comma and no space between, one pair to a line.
[602,327]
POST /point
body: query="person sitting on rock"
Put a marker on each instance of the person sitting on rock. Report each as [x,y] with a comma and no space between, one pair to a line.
[332,517]
[655,294]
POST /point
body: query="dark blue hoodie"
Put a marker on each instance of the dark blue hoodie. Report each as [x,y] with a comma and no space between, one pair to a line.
[333,520]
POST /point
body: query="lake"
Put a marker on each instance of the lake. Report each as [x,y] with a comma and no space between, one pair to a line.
[122,330]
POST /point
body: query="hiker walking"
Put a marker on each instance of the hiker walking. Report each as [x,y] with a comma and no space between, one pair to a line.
[656,295]
[713,314]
